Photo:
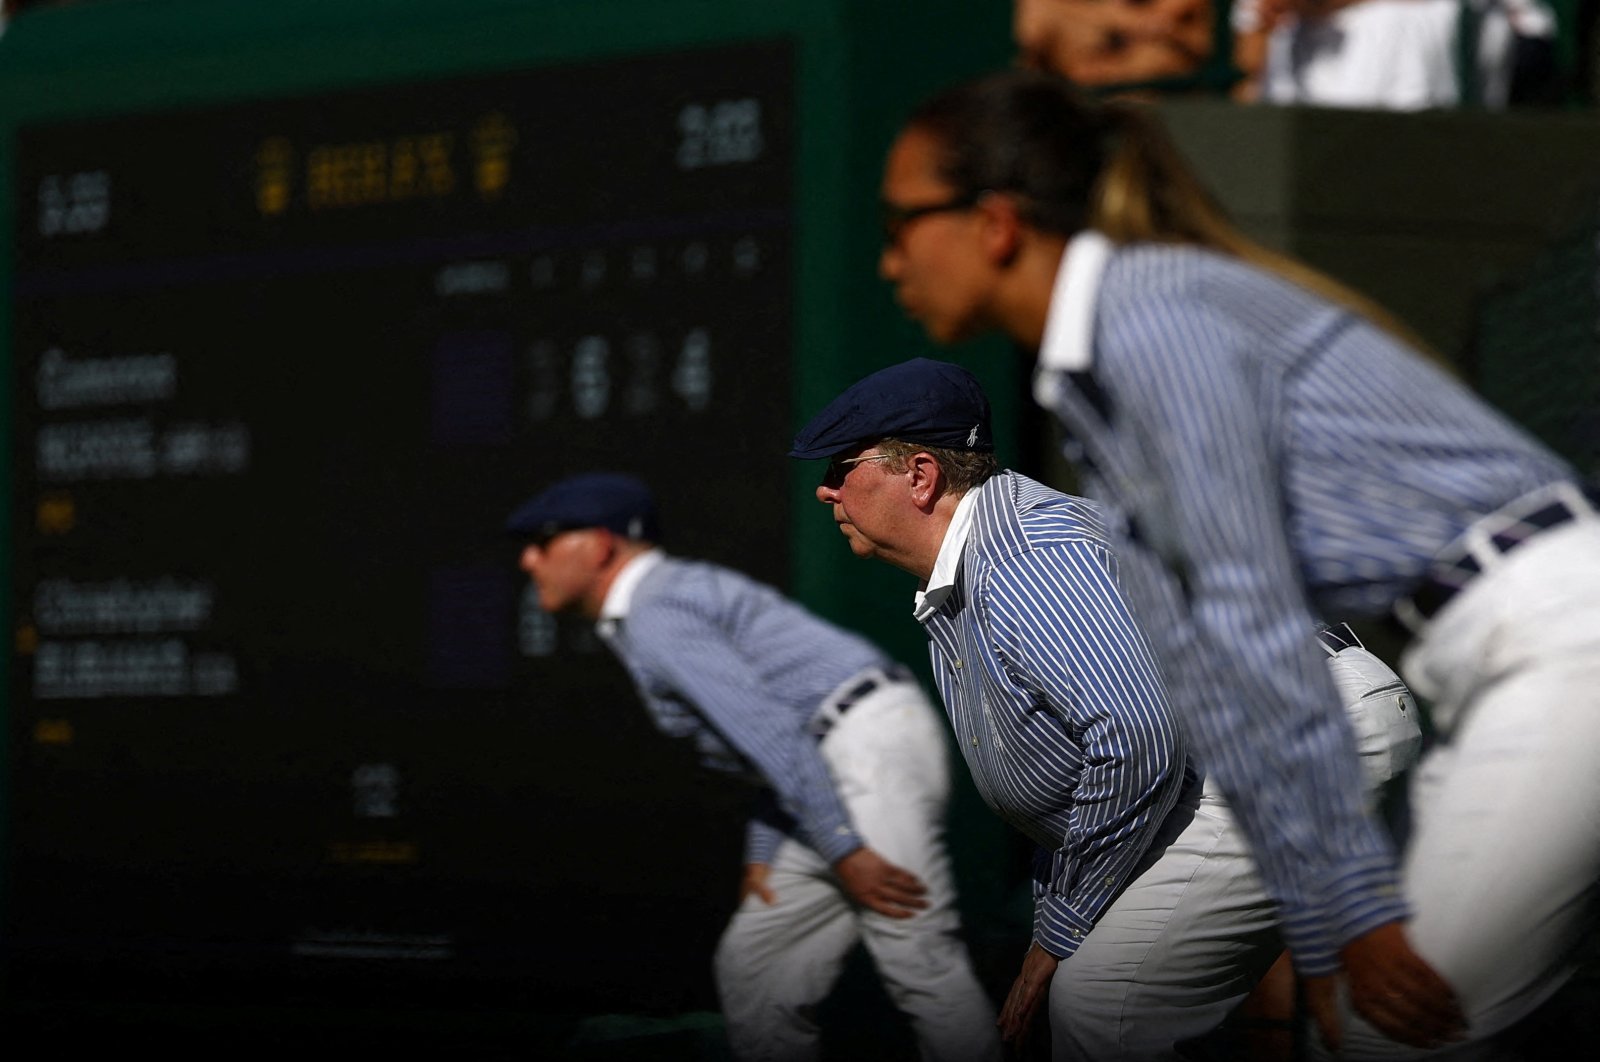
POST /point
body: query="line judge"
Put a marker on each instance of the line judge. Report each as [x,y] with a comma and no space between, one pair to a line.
[847,843]
[1149,922]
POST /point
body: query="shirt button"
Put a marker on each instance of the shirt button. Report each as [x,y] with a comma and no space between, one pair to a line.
[957,664]
[1075,934]
[842,831]
[974,740]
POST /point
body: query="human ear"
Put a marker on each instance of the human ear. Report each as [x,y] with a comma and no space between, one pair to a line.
[1002,227]
[599,546]
[926,479]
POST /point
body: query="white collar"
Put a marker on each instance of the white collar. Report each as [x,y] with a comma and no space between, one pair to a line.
[619,598]
[1068,341]
[942,579]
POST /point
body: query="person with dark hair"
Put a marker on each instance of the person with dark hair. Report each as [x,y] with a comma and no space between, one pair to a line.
[1149,922]
[1268,448]
[847,843]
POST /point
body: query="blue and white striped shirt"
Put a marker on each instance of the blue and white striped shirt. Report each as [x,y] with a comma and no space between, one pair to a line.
[1056,701]
[1262,453]
[740,670]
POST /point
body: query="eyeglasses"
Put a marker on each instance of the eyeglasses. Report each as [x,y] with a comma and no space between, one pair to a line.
[896,217]
[840,467]
[547,534]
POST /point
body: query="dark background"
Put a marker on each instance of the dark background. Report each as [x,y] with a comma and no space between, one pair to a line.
[406,367]
[388,806]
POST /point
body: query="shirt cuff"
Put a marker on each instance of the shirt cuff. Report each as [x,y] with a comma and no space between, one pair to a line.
[836,843]
[1057,927]
[761,842]
[1357,901]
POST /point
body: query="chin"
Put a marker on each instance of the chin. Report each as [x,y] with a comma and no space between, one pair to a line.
[930,327]
[962,330]
[859,546]
[948,332]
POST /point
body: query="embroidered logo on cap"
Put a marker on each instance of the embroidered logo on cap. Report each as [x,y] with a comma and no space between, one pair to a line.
[972,436]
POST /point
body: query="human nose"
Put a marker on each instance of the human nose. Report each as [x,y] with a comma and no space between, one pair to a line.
[890,261]
[827,494]
[1025,26]
[1031,29]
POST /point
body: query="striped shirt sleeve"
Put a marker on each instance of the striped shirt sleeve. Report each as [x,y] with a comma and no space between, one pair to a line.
[679,639]
[1261,706]
[763,834]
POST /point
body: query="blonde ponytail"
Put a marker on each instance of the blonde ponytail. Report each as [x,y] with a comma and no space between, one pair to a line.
[1147,193]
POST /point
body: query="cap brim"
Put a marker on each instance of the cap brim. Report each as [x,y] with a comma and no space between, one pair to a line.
[816,450]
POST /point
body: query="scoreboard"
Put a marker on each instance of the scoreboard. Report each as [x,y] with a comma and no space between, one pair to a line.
[282,359]
[281,372]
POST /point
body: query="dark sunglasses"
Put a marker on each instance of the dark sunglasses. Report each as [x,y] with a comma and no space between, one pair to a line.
[548,533]
[895,218]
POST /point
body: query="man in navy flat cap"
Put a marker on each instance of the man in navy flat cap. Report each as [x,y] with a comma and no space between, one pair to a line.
[847,843]
[1149,922]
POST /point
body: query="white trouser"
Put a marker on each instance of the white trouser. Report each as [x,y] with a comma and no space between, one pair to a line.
[775,964]
[1504,854]
[1383,715]
[1173,955]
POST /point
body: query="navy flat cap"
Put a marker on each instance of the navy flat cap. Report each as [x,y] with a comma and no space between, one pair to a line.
[923,401]
[611,500]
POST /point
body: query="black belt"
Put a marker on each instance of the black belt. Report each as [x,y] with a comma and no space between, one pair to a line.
[859,692]
[1445,579]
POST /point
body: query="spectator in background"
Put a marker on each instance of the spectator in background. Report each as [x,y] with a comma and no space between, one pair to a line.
[1393,54]
[1378,54]
[1101,43]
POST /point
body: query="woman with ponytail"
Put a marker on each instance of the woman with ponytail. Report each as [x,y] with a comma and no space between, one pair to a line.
[1269,449]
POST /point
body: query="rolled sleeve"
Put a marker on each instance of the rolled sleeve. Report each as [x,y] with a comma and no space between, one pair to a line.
[1057,926]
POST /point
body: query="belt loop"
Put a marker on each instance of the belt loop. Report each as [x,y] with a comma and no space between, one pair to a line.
[1410,618]
[1576,498]
[1478,540]
[844,695]
[823,719]
[1553,505]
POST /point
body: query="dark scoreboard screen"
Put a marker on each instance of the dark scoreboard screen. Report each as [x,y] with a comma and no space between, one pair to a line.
[280,694]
